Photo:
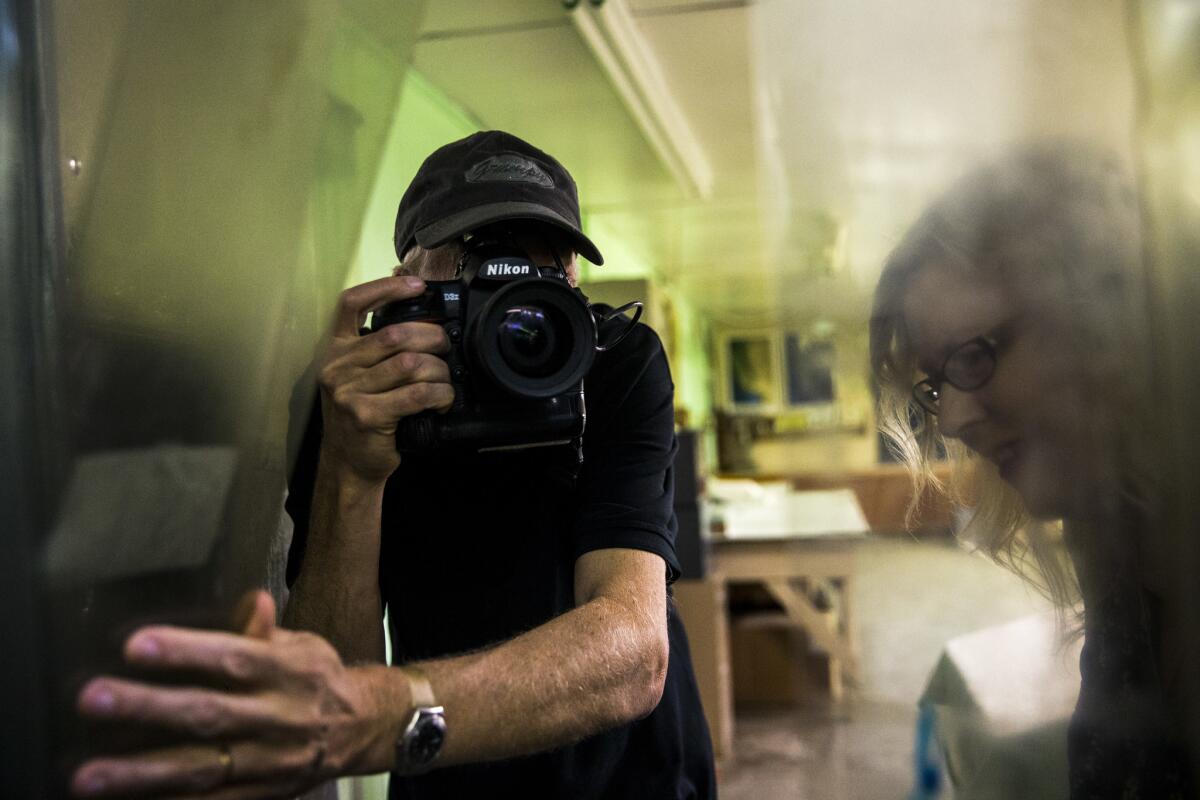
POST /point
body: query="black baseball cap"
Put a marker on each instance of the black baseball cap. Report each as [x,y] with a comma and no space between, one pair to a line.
[488,177]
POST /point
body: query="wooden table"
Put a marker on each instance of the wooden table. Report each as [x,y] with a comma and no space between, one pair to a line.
[812,579]
[810,576]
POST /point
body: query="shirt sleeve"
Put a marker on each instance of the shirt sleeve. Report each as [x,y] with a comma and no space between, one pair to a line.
[626,488]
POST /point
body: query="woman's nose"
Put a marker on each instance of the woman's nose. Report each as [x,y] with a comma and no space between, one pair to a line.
[958,411]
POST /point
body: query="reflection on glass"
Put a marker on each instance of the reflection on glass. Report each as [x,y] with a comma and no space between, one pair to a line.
[1039,254]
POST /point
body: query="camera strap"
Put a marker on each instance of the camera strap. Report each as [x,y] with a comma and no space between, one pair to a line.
[604,313]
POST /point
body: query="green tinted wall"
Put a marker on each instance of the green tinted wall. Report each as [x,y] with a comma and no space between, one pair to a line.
[423,120]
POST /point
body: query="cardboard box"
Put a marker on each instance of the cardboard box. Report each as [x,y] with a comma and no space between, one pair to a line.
[770,661]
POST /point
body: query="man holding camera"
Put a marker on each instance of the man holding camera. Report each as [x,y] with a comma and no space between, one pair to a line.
[537,650]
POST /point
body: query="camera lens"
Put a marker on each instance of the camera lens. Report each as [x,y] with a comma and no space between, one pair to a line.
[527,341]
[532,338]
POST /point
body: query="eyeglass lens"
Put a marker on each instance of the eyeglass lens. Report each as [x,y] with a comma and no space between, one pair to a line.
[967,368]
[970,366]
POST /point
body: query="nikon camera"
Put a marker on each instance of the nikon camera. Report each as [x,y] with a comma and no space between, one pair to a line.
[521,341]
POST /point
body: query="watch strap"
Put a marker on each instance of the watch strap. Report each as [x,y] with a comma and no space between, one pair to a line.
[419,686]
[421,740]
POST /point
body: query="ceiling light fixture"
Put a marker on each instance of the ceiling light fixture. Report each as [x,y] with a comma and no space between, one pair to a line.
[622,52]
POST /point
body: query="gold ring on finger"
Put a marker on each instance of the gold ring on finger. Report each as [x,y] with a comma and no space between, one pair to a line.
[225,758]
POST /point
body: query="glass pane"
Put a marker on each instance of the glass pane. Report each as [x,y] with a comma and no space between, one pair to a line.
[816,213]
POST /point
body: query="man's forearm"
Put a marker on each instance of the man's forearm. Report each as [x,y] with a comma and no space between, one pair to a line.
[336,593]
[598,666]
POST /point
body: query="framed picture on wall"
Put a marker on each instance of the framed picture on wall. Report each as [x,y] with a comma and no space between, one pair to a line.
[776,371]
[809,367]
[749,364]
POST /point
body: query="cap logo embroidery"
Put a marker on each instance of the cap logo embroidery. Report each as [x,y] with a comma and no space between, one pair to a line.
[509,168]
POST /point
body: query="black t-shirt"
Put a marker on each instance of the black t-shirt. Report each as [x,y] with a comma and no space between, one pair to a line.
[478,549]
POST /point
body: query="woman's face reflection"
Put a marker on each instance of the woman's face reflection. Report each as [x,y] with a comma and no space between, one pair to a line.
[1029,419]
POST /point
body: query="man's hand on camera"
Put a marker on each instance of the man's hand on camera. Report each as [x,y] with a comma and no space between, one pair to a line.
[289,714]
[369,383]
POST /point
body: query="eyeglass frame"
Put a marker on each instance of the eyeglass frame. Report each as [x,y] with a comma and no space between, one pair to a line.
[987,344]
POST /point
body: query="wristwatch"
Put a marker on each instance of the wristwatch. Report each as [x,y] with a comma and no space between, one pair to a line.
[425,733]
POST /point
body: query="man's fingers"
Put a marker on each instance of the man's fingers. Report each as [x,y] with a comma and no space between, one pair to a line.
[355,302]
[241,769]
[238,658]
[191,769]
[415,337]
[202,713]
[403,369]
[419,337]
[351,357]
[261,771]
[384,409]
[261,620]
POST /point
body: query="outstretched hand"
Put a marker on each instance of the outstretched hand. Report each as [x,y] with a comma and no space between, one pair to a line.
[288,716]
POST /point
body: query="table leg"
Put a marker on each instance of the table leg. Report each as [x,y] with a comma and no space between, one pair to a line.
[823,629]
[850,628]
[703,608]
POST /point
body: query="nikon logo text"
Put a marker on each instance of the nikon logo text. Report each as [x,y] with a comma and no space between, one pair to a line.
[505,270]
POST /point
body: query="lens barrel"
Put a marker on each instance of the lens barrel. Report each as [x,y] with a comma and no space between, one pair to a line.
[533,338]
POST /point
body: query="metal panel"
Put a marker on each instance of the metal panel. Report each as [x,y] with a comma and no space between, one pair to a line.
[23,725]
[214,161]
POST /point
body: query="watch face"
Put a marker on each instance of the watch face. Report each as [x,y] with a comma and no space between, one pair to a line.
[427,738]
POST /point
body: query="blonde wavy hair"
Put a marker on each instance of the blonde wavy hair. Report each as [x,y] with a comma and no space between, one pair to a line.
[1057,223]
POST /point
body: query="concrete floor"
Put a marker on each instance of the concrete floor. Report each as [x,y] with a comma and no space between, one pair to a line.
[911,598]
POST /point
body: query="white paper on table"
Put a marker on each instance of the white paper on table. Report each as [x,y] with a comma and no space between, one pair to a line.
[825,512]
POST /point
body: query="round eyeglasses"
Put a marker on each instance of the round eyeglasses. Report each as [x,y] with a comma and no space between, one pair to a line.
[968,367]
